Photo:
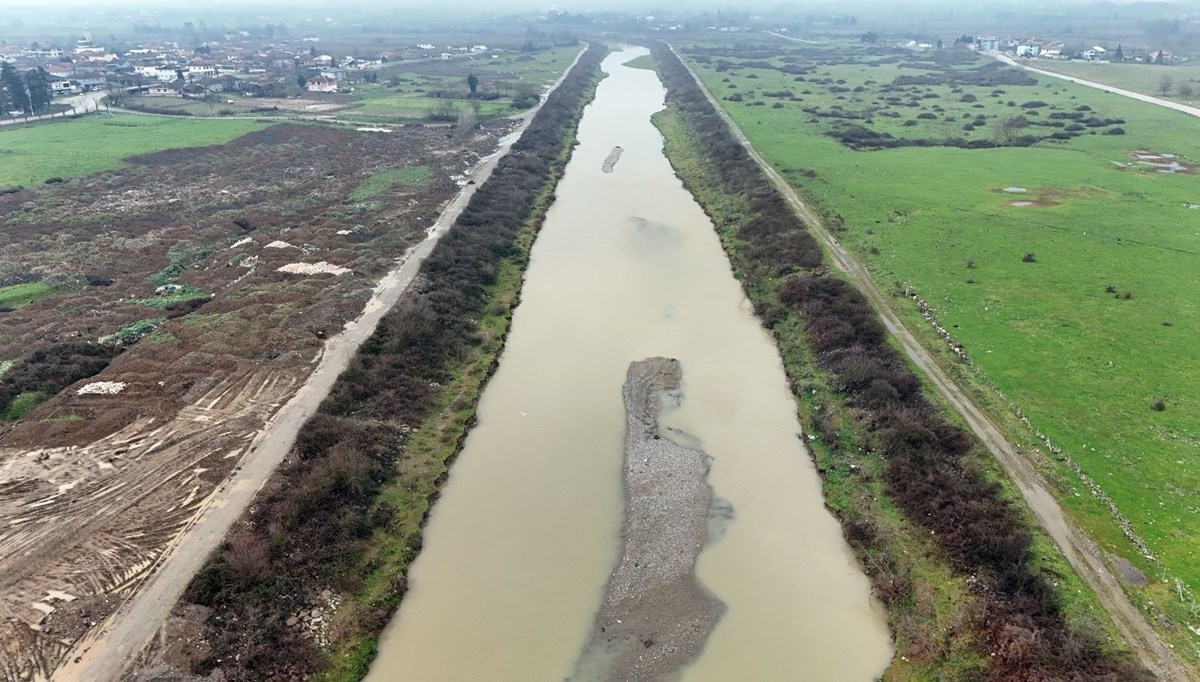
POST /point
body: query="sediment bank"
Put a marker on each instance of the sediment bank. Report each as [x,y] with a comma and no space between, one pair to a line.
[655,616]
[611,162]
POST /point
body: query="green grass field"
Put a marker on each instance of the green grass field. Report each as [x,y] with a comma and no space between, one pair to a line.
[1084,364]
[1143,78]
[403,92]
[17,295]
[29,154]
[409,176]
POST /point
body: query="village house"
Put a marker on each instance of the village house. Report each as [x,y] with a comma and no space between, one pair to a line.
[321,84]
[987,43]
[162,90]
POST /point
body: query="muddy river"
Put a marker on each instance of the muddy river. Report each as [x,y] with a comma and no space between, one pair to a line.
[519,548]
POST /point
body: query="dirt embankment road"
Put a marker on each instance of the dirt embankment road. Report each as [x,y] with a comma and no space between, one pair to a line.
[1184,108]
[104,652]
[1078,548]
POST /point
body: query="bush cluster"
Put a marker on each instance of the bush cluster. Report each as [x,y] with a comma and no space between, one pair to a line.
[49,370]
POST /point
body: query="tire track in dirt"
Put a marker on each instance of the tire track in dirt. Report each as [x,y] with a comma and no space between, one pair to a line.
[1080,551]
[106,650]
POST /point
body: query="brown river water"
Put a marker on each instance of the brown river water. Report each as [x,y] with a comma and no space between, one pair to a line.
[519,547]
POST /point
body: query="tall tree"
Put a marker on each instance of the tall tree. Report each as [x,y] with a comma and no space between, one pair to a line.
[5,99]
[1165,84]
[18,96]
[1119,56]
[472,83]
[39,90]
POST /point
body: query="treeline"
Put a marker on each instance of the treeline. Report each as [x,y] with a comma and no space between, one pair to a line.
[1018,627]
[28,93]
[312,527]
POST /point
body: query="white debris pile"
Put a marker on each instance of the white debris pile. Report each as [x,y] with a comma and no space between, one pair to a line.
[279,245]
[241,242]
[249,262]
[102,388]
[344,232]
[318,268]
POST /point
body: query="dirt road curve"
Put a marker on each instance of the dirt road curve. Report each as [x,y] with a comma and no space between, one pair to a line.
[1194,111]
[1079,550]
[106,650]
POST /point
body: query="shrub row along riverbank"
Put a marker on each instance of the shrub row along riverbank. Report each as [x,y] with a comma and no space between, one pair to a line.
[303,586]
[947,550]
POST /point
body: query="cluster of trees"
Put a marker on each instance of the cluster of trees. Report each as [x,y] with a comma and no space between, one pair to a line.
[313,526]
[1019,629]
[28,93]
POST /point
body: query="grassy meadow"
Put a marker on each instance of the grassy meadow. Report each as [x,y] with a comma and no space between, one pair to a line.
[1075,298]
[30,154]
[408,91]
[17,295]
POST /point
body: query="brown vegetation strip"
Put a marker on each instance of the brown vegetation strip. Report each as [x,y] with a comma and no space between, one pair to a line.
[1019,628]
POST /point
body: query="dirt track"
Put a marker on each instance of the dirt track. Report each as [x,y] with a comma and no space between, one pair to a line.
[1079,549]
[103,652]
[1184,108]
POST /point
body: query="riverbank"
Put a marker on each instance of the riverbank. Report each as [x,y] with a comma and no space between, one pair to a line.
[305,582]
[968,591]
[655,616]
[521,544]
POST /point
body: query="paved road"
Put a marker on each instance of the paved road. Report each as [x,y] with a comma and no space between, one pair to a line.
[106,651]
[80,104]
[1177,106]
[795,40]
[1078,548]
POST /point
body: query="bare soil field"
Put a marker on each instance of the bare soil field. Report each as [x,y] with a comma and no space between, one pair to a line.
[209,277]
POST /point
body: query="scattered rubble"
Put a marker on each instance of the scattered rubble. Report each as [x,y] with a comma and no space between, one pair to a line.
[102,388]
[318,268]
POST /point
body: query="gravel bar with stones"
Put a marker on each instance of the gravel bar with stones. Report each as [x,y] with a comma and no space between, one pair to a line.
[655,617]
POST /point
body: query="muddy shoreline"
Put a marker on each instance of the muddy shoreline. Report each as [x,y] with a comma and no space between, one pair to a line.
[655,616]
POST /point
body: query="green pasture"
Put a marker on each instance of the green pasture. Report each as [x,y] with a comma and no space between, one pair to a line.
[1143,78]
[17,295]
[409,176]
[396,104]
[29,154]
[406,90]
[1084,364]
[22,404]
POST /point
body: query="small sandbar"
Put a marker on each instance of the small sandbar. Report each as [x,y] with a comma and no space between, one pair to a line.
[655,617]
[611,161]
